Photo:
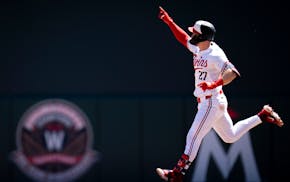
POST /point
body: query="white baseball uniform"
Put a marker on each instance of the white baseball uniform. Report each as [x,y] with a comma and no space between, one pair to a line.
[212,111]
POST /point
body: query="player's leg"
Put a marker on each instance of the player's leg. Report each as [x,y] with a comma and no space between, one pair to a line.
[201,125]
[230,132]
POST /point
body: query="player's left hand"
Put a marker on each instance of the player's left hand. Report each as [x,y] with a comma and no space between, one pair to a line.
[210,85]
[206,85]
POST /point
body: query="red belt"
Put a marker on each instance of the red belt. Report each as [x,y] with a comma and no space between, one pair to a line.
[207,97]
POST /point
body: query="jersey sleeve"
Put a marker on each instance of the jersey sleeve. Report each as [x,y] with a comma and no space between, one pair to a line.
[224,64]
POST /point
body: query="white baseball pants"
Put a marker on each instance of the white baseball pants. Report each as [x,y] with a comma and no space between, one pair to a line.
[212,113]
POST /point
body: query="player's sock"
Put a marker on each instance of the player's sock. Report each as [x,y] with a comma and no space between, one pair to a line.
[181,167]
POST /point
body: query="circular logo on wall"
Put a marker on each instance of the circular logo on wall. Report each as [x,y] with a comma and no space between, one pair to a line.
[54,141]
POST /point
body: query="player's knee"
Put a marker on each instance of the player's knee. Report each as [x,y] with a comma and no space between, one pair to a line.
[228,139]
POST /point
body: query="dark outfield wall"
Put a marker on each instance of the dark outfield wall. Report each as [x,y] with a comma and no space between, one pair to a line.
[124,68]
[121,47]
[135,135]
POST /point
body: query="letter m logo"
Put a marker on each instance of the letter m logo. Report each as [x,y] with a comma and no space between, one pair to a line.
[212,146]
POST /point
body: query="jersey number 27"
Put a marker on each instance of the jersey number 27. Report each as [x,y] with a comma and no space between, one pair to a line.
[202,75]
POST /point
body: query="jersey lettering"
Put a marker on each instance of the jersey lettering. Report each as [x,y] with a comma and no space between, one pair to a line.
[200,63]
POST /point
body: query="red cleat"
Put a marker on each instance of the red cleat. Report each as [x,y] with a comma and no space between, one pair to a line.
[169,175]
[163,173]
[268,115]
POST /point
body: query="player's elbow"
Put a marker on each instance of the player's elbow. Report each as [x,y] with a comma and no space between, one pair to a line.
[229,76]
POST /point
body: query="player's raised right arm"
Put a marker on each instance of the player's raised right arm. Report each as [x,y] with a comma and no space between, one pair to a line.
[178,32]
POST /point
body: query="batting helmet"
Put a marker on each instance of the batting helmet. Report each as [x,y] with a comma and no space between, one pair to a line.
[203,30]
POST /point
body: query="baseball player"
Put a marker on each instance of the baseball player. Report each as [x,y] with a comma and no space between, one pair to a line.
[212,70]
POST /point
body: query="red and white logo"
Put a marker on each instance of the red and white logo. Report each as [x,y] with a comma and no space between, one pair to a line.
[54,142]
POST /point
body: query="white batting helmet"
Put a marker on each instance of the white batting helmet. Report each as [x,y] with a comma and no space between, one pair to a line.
[204,29]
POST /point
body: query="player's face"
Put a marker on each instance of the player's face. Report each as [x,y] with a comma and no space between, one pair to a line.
[194,38]
[193,35]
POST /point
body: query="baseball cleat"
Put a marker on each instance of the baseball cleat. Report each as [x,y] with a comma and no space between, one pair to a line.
[163,173]
[268,115]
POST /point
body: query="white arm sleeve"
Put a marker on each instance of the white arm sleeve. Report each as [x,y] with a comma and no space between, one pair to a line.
[192,48]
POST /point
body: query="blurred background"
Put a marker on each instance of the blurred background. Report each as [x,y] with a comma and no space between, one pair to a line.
[123,67]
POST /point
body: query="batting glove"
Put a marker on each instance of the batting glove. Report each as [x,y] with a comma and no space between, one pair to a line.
[163,15]
[210,85]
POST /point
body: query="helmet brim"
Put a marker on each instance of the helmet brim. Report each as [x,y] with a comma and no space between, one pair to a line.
[192,30]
